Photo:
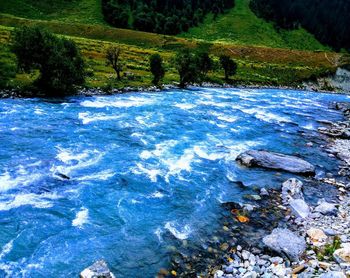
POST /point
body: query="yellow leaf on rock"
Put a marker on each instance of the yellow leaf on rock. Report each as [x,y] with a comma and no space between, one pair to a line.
[173,272]
[242,219]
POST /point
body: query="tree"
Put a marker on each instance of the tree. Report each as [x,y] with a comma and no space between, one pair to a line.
[113,59]
[58,60]
[204,64]
[187,67]
[229,66]
[157,68]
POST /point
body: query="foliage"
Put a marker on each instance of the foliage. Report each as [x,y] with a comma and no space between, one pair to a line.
[157,68]
[161,16]
[113,59]
[59,61]
[228,65]
[7,67]
[328,20]
[187,67]
[328,249]
[204,64]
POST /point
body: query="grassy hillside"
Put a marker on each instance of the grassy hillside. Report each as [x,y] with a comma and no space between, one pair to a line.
[74,11]
[81,21]
[241,26]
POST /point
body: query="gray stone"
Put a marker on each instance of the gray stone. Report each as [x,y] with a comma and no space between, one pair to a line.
[299,208]
[98,270]
[292,188]
[264,192]
[276,161]
[285,242]
[326,208]
[333,274]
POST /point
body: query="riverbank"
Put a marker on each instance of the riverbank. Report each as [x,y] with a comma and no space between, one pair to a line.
[310,240]
[310,86]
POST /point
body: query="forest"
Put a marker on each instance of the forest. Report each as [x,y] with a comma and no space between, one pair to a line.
[161,16]
[328,20]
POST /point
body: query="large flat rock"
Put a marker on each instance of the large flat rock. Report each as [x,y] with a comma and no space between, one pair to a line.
[277,161]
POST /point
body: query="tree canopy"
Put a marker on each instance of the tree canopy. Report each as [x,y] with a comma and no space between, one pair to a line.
[161,16]
[328,20]
[58,60]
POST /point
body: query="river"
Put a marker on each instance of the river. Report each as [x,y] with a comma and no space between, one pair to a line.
[146,170]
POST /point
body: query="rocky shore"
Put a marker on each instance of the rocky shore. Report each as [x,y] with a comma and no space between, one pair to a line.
[311,241]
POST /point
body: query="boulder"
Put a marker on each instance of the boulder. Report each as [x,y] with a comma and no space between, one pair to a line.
[342,255]
[326,208]
[98,270]
[292,188]
[285,242]
[299,208]
[277,161]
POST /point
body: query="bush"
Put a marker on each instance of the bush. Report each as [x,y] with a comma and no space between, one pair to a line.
[157,68]
[58,59]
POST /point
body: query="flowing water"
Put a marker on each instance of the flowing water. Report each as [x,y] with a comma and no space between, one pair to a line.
[146,170]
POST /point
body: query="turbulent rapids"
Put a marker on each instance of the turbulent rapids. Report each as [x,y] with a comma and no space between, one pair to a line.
[126,177]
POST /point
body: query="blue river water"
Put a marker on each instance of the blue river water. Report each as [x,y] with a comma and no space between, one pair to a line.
[146,170]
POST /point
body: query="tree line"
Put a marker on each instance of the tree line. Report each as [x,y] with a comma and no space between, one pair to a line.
[161,16]
[328,20]
[61,66]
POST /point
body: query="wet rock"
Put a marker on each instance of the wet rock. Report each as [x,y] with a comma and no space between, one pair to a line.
[299,208]
[292,188]
[326,208]
[276,161]
[98,270]
[285,242]
[264,192]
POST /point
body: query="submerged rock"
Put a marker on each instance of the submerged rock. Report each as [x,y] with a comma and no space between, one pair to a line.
[98,270]
[276,161]
[285,242]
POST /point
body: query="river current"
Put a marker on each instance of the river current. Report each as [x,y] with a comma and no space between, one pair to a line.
[146,170]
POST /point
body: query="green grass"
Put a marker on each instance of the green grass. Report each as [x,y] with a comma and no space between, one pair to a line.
[241,26]
[74,11]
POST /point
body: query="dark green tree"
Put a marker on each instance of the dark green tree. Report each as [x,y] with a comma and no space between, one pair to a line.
[187,67]
[58,60]
[229,66]
[157,68]
[204,64]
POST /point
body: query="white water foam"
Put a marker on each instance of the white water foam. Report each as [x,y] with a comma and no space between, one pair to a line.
[7,182]
[102,176]
[181,234]
[87,117]
[204,154]
[40,201]
[6,249]
[156,195]
[185,106]
[108,102]
[81,218]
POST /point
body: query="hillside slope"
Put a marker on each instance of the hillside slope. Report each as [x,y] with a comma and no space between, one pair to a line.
[242,26]
[76,11]
[239,26]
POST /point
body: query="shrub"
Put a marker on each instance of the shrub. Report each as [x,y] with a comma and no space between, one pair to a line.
[228,65]
[187,67]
